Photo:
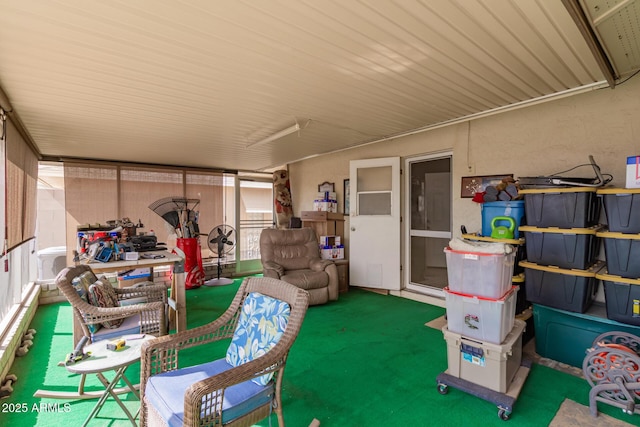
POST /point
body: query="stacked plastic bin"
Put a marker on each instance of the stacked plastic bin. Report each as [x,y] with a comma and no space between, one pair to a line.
[484,340]
[621,277]
[562,246]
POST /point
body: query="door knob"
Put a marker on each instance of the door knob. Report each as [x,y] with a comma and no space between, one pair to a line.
[353,229]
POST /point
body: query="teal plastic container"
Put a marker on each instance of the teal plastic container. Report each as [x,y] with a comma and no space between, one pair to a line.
[565,336]
[512,208]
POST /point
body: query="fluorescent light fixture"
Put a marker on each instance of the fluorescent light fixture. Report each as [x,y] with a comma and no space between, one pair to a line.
[277,135]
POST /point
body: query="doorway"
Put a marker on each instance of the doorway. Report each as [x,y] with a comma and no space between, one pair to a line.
[428,210]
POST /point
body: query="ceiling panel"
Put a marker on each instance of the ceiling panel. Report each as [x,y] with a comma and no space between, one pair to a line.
[192,83]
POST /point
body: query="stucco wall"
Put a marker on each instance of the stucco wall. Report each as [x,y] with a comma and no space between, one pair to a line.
[540,139]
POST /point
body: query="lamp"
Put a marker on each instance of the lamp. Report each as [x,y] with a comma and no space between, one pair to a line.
[277,135]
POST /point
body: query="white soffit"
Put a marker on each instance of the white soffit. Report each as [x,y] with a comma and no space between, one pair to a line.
[192,83]
[616,24]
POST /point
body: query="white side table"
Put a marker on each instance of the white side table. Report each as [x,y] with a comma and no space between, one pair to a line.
[103,360]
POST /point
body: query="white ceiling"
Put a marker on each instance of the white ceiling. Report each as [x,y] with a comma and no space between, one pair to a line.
[192,83]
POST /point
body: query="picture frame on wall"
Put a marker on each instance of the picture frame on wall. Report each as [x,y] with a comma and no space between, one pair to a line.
[347,196]
[477,184]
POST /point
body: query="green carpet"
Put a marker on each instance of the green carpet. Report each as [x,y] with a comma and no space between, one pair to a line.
[365,360]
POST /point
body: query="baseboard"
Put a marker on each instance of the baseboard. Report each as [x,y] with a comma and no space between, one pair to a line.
[15,326]
[416,296]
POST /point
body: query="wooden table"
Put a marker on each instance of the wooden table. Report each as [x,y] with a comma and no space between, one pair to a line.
[177,301]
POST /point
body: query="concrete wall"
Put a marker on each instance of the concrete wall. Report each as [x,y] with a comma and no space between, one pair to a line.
[537,140]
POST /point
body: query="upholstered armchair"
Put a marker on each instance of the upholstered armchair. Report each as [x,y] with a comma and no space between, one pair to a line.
[239,387]
[294,256]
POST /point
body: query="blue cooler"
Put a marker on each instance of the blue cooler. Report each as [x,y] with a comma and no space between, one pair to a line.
[512,208]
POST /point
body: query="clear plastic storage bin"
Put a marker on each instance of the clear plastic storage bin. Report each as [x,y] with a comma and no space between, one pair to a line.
[480,274]
[485,319]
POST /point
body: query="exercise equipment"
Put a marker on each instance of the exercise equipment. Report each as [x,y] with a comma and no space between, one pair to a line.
[503,231]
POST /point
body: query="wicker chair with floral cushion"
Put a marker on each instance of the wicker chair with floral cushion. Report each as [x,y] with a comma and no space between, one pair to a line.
[104,312]
[239,388]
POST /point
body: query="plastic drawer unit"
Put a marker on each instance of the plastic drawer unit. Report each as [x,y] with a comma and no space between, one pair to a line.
[573,248]
[622,209]
[571,207]
[571,290]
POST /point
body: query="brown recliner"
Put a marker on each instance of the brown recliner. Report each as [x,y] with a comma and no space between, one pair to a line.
[293,255]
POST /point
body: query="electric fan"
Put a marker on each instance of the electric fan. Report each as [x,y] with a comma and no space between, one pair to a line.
[221,240]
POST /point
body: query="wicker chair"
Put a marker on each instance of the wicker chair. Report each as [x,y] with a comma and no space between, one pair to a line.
[220,392]
[143,308]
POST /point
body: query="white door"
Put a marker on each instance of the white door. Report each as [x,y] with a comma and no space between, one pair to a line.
[374,256]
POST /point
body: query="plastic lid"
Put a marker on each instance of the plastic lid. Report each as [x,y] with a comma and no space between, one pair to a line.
[604,275]
[591,230]
[591,272]
[620,191]
[613,235]
[558,190]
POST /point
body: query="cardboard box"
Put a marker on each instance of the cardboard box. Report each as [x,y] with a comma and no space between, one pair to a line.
[328,252]
[321,216]
[133,277]
[330,241]
[325,205]
[326,195]
[633,172]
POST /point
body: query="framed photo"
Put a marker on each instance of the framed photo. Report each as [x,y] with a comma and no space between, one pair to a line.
[347,197]
[477,184]
[327,186]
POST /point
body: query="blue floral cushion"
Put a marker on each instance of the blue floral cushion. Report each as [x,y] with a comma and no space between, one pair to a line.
[261,324]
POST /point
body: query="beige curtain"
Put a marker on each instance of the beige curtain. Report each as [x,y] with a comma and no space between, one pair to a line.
[208,188]
[97,193]
[22,177]
[91,196]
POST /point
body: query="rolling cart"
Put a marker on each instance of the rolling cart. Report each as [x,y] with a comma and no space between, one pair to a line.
[504,401]
[495,373]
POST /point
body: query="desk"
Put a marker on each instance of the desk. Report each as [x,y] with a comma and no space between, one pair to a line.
[178,298]
[103,360]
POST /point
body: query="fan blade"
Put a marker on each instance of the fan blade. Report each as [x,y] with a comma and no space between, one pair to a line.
[229,233]
[220,231]
[229,242]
